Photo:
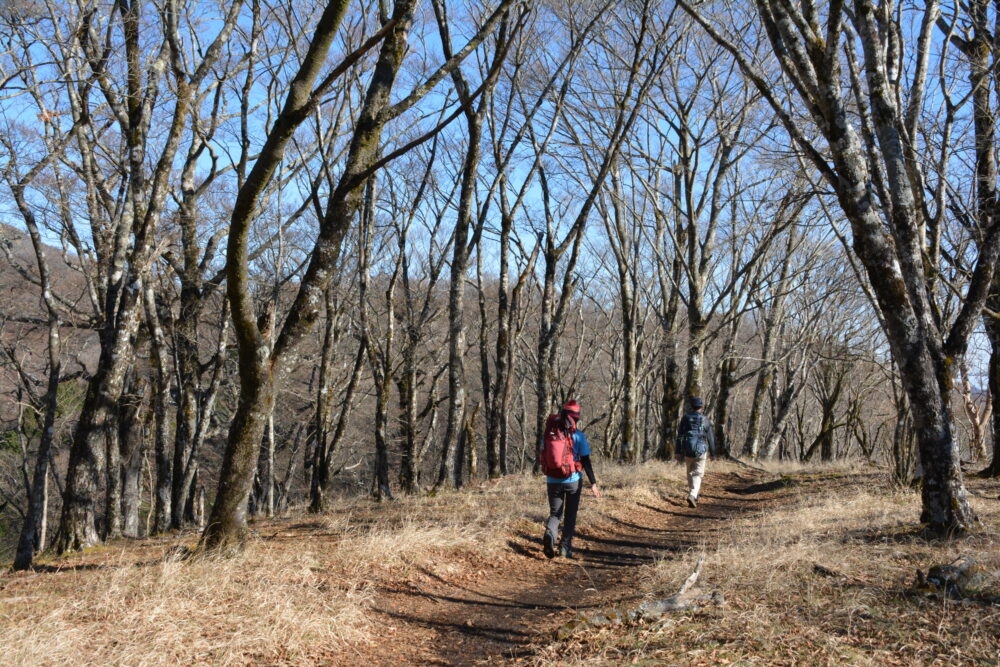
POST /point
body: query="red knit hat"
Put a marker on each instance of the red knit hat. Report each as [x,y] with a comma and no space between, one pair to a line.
[572,408]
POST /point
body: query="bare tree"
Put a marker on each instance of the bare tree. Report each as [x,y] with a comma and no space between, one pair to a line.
[607,124]
[465,238]
[261,362]
[871,161]
[32,531]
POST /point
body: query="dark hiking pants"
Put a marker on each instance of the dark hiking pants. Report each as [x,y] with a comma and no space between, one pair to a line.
[563,495]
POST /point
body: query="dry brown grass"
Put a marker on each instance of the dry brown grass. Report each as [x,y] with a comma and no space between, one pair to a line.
[300,592]
[267,605]
[781,611]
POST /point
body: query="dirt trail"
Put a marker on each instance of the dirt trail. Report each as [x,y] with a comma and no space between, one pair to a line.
[500,613]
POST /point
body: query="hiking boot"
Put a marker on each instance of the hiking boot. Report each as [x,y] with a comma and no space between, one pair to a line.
[692,502]
[566,552]
[549,545]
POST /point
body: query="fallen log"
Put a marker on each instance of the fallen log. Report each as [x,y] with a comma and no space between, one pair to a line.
[963,578]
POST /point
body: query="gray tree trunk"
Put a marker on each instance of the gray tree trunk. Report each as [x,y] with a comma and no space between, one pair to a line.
[32,537]
[895,263]
[259,367]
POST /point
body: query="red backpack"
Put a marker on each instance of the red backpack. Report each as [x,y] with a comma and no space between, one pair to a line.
[557,450]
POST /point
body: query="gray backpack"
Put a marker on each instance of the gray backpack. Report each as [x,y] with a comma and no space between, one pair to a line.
[694,441]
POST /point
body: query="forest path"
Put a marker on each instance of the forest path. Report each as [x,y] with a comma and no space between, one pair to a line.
[501,611]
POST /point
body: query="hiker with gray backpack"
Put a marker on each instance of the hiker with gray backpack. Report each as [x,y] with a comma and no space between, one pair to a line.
[564,454]
[695,445]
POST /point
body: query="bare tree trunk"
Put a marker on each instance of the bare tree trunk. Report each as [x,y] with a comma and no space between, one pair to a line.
[462,244]
[32,537]
[132,445]
[261,501]
[977,415]
[993,332]
[43,524]
[774,318]
[226,525]
[160,396]
[671,400]
[447,474]
[113,484]
[794,383]
[380,353]
[323,444]
[897,265]
[188,367]
[471,442]
[621,239]
[727,381]
[328,446]
[983,76]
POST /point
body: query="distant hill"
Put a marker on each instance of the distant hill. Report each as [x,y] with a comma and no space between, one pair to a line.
[23,329]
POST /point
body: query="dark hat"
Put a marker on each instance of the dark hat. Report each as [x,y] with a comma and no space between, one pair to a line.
[697,403]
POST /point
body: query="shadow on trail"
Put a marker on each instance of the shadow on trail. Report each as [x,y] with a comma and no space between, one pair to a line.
[639,551]
[630,525]
[483,598]
[503,615]
[44,568]
[762,487]
[515,642]
[473,601]
[691,515]
[522,550]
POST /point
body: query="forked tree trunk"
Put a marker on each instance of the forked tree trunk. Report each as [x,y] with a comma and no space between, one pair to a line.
[97,425]
[226,524]
[896,264]
[258,369]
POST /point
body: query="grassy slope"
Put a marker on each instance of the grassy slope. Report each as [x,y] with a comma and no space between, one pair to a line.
[302,591]
[780,610]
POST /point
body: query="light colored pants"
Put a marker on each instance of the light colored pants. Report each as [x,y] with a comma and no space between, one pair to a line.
[695,471]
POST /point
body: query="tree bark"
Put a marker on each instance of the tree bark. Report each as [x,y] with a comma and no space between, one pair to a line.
[772,322]
[447,473]
[160,396]
[895,264]
[226,525]
[993,333]
[33,530]
[132,445]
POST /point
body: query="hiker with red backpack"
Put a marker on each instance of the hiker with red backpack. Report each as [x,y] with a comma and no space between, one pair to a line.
[565,453]
[695,444]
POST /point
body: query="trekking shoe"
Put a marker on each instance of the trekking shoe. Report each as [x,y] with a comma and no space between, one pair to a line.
[566,552]
[692,502]
[549,545]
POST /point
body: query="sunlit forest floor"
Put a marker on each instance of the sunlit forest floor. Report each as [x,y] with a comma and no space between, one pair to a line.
[808,566]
